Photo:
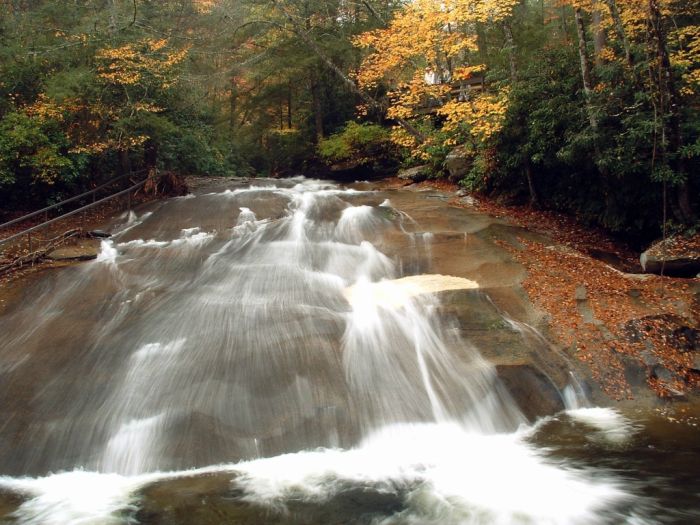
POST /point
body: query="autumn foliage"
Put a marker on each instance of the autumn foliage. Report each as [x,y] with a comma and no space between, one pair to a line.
[428,48]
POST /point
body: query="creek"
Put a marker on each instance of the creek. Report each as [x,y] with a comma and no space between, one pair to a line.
[301,352]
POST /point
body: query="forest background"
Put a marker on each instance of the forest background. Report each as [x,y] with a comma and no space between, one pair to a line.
[590,107]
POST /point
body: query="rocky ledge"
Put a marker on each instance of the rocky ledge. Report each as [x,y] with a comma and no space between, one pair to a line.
[677,256]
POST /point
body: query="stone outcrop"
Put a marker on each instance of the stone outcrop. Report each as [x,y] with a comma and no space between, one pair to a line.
[458,163]
[672,257]
[415,174]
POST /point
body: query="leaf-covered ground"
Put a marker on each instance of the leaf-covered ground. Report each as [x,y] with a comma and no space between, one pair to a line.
[623,326]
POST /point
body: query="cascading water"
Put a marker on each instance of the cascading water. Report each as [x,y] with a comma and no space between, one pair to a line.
[271,333]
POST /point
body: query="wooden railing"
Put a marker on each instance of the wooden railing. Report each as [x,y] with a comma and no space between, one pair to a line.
[460,90]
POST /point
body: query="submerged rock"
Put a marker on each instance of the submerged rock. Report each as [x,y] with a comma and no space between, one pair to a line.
[212,499]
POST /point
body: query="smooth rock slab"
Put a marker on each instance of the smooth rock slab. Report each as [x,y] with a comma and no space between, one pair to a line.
[84,250]
[531,389]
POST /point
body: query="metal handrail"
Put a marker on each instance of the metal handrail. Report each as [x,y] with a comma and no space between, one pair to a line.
[74,212]
[71,199]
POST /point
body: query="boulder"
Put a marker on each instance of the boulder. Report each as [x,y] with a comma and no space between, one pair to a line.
[663,374]
[415,174]
[673,266]
[686,339]
[695,366]
[458,163]
[469,201]
[675,256]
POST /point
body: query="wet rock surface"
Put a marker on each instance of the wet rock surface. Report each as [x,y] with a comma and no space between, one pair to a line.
[531,389]
[9,503]
[215,499]
[82,250]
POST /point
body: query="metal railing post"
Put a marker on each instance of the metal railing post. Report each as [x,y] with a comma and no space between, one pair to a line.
[82,211]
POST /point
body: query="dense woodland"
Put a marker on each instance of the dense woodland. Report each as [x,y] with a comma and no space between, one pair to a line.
[590,107]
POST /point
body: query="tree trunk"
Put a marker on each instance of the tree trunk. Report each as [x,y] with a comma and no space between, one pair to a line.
[112,16]
[534,199]
[620,30]
[150,156]
[605,182]
[233,104]
[510,44]
[599,36]
[669,110]
[289,106]
[374,13]
[124,163]
[318,106]
[481,42]
[585,68]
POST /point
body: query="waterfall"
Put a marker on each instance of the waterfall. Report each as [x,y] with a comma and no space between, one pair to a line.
[265,331]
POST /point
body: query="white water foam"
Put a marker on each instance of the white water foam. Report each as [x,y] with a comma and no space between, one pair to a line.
[132,220]
[140,243]
[159,349]
[356,223]
[193,238]
[612,426]
[108,253]
[130,449]
[73,498]
[453,477]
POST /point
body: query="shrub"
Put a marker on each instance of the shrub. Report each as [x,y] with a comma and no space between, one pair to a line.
[362,144]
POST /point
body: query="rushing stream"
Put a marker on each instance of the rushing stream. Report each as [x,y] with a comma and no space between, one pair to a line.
[298,352]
